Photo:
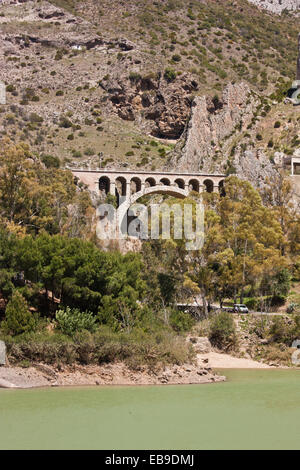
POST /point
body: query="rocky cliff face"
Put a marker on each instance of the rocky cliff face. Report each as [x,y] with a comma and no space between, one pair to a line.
[212,121]
[212,141]
[277,6]
[159,104]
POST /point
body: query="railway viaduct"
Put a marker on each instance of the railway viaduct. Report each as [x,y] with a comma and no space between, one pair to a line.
[132,185]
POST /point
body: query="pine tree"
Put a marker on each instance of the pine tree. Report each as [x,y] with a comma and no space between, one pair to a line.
[18,318]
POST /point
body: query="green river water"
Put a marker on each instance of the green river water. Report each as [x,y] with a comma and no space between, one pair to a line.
[254,409]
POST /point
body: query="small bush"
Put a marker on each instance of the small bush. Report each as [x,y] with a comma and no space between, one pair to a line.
[71,321]
[35,118]
[223,332]
[10,88]
[65,122]
[50,161]
[281,332]
[176,58]
[170,75]
[277,300]
[89,152]
[292,307]
[181,322]
[134,76]
[76,154]
[59,54]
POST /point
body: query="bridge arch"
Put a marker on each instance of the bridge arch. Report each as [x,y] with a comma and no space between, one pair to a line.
[179,182]
[135,185]
[150,182]
[194,185]
[222,191]
[121,186]
[159,189]
[209,185]
[104,184]
[165,181]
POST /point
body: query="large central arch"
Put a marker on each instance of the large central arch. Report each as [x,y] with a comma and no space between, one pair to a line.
[159,189]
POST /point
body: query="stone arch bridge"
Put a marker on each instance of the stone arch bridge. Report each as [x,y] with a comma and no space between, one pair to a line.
[132,185]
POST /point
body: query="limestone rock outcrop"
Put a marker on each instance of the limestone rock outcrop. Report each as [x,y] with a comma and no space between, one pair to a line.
[162,105]
[254,166]
[212,138]
[201,345]
[212,121]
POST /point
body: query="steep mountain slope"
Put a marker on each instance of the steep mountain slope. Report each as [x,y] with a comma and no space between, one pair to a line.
[278,6]
[118,78]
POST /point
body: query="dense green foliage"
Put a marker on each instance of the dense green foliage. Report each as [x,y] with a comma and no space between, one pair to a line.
[91,304]
[138,349]
[34,197]
[72,271]
[71,321]
[18,319]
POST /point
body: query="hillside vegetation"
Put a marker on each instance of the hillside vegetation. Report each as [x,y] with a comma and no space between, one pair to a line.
[63,299]
[119,78]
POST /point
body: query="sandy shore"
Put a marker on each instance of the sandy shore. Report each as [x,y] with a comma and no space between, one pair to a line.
[225,361]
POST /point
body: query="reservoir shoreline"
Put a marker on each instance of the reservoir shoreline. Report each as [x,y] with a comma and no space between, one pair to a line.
[203,371]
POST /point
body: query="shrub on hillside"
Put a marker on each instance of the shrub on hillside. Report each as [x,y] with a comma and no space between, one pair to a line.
[18,319]
[50,161]
[71,321]
[170,75]
[137,349]
[181,322]
[223,332]
[292,307]
[283,330]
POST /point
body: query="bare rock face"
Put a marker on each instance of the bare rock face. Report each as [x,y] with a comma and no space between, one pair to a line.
[162,105]
[211,141]
[211,122]
[48,12]
[254,166]
[277,6]
[201,344]
[177,98]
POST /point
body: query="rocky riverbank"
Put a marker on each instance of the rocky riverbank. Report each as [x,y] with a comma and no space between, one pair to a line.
[41,375]
[202,371]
